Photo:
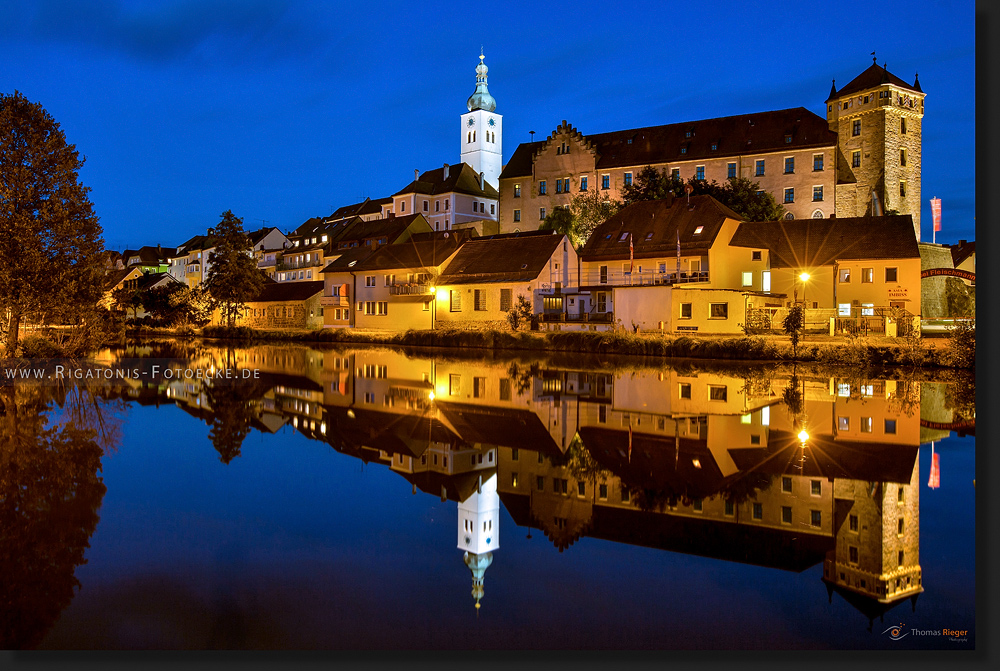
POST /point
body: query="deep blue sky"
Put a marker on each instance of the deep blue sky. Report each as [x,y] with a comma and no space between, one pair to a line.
[282,111]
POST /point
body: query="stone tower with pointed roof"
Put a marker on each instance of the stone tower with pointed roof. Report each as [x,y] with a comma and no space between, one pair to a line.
[482,131]
[877,118]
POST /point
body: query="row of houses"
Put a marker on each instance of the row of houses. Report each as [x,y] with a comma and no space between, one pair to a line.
[673,265]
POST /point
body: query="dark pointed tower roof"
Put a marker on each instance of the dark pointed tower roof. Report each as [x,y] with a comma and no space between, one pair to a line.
[481,98]
[916,82]
[871,78]
[833,89]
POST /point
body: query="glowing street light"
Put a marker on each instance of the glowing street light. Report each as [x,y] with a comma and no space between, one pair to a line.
[803,436]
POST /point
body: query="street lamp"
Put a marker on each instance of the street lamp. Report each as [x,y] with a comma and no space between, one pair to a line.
[805,278]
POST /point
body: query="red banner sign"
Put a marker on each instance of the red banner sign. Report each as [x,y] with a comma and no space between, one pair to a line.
[936,213]
[953,272]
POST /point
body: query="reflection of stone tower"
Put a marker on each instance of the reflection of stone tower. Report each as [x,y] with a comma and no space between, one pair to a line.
[479,531]
[876,562]
[877,118]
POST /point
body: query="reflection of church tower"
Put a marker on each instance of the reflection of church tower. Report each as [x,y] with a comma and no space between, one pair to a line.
[876,562]
[479,531]
[482,131]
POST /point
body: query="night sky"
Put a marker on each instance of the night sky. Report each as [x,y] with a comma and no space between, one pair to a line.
[281,111]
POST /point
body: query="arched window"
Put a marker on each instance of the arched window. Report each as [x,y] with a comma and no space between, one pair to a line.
[469,140]
[789,216]
[473,136]
[818,214]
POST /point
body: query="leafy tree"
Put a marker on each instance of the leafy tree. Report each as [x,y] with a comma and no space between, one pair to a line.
[51,262]
[962,339]
[126,298]
[738,193]
[233,279]
[562,221]
[522,312]
[792,324]
[591,209]
[175,303]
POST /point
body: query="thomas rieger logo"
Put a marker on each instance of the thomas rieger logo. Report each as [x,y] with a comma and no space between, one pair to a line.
[898,632]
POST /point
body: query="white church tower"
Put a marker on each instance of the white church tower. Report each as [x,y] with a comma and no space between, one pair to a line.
[482,131]
[479,531]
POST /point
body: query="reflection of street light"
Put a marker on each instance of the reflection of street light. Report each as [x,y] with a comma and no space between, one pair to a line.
[803,436]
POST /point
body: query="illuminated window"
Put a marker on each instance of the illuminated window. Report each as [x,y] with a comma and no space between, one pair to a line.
[856,159]
[817,194]
[730,170]
[517,190]
[605,182]
[817,162]
[541,188]
[699,172]
[845,275]
[856,128]
[748,279]
[843,423]
[790,195]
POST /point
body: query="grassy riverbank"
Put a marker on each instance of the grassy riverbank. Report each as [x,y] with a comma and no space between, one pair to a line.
[834,350]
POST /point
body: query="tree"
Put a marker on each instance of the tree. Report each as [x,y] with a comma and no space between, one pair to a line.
[792,324]
[739,194]
[522,312]
[126,298]
[51,262]
[591,209]
[562,221]
[233,279]
[175,304]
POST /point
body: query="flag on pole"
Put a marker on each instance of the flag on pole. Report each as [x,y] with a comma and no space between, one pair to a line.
[935,480]
[629,440]
[631,251]
[678,277]
[936,213]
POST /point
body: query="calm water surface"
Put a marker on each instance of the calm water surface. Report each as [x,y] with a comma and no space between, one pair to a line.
[372,499]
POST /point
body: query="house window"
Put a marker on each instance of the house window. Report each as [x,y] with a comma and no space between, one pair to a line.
[755,256]
[684,390]
[698,230]
[478,387]
[790,195]
[627,496]
[730,170]
[891,275]
[900,495]
[856,159]
[447,205]
[456,300]
[685,310]
[517,190]
[853,554]
[541,213]
[902,125]
[790,165]
[684,149]
[581,488]
[759,168]
[558,186]
[786,514]
[604,275]
[383,308]
[437,205]
[852,522]
[902,157]
[699,172]
[718,311]
[899,557]
[402,206]
[889,426]
[541,188]
[540,483]
[748,279]
[602,491]
[899,527]
[605,182]
[866,425]
[817,162]
[817,194]
[730,508]
[517,215]
[369,280]
[505,300]
[715,146]
[628,179]
[786,484]
[583,184]
[856,129]
[758,511]
[718,392]
[902,189]
[479,303]
[493,208]
[816,487]
[425,206]
[602,414]
[867,275]
[505,389]
[602,302]
[815,518]
[845,275]
[675,174]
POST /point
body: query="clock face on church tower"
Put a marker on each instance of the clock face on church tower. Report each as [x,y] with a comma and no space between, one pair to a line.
[492,122]
[472,122]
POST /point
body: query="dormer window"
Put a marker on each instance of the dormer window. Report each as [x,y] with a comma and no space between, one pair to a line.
[715,146]
[649,236]
[788,138]
[623,237]
[684,149]
[630,141]
[689,133]
[698,230]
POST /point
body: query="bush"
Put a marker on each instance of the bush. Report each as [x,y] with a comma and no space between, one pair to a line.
[963,344]
[39,347]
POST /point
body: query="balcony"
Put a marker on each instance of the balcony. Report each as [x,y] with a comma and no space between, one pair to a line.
[267,263]
[571,318]
[409,289]
[296,265]
[335,301]
[644,279]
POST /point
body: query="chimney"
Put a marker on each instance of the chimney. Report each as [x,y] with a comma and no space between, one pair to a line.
[416,174]
[445,171]
[961,243]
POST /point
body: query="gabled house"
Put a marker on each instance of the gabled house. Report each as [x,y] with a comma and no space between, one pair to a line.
[847,267]
[149,259]
[667,265]
[190,262]
[484,280]
[284,305]
[448,196]
[367,209]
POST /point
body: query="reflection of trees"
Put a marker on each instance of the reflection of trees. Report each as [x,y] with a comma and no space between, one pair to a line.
[233,410]
[747,487]
[522,376]
[582,465]
[50,492]
[792,396]
[960,395]
[650,499]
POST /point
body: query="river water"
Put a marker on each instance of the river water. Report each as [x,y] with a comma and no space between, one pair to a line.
[286,497]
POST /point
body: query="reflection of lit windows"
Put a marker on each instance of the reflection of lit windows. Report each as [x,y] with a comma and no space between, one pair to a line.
[717,392]
[853,523]
[786,514]
[889,426]
[843,389]
[815,518]
[685,390]
[758,511]
[866,425]
[816,487]
[843,423]
[513,479]
[786,484]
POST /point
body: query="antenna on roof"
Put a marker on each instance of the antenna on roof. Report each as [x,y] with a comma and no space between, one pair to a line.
[532,134]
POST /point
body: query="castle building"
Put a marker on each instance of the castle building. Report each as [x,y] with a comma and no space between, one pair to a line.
[864,158]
